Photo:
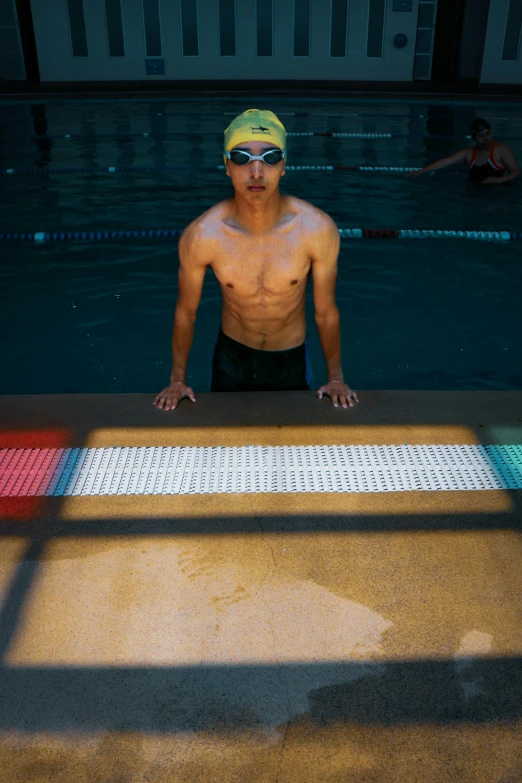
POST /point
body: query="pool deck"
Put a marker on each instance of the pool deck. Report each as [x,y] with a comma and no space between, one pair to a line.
[362,637]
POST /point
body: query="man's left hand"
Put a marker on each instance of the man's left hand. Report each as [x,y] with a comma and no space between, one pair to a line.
[491,181]
[339,393]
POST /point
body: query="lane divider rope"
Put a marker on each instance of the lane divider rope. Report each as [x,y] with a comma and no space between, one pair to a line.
[119,169]
[211,470]
[214,134]
[369,114]
[345,233]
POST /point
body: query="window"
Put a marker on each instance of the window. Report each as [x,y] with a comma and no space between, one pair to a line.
[513,30]
[338,28]
[301,28]
[114,28]
[374,42]
[227,28]
[152,26]
[77,28]
[264,28]
[426,14]
[189,28]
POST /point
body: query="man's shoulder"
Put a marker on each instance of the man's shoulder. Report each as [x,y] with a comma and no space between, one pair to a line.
[320,233]
[203,229]
[208,221]
[314,218]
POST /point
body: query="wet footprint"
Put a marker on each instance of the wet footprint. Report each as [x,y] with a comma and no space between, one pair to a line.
[224,601]
[473,646]
[216,574]
[195,566]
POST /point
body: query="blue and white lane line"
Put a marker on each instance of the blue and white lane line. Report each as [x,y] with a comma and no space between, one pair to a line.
[345,233]
[262,469]
[213,134]
[218,167]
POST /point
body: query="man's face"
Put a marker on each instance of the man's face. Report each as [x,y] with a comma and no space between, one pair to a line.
[255,180]
[483,138]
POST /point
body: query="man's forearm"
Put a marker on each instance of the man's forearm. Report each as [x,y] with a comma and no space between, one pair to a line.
[329,328]
[182,336]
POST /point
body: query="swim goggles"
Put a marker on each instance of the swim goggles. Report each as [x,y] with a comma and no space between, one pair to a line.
[242,157]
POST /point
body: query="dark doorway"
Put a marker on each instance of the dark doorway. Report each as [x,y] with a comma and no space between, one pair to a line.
[448,40]
[25,21]
[473,40]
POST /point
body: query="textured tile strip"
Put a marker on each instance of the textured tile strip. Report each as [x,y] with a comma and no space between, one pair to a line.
[206,470]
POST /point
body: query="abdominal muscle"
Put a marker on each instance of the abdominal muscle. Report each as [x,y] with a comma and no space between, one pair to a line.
[266,322]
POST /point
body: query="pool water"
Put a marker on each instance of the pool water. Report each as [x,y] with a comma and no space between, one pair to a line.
[97,316]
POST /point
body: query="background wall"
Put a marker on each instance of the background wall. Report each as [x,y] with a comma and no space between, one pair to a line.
[502,62]
[349,40]
[11,55]
[180,40]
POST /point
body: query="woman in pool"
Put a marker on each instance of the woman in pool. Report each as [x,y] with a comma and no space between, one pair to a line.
[489,162]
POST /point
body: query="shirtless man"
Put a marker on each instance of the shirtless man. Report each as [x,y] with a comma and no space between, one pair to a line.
[489,162]
[262,247]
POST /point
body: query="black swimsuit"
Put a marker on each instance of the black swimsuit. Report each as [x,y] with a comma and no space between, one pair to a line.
[488,169]
[237,367]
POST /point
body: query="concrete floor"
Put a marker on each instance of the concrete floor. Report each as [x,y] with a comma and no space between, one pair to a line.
[345,638]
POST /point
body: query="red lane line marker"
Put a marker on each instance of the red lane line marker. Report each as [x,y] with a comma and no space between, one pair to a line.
[10,472]
[26,469]
[26,472]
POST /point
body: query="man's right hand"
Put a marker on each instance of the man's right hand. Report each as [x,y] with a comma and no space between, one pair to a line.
[167,400]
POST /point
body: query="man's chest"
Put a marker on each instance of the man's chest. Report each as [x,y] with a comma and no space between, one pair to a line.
[261,266]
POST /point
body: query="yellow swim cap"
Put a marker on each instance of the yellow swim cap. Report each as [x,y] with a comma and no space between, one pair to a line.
[255,125]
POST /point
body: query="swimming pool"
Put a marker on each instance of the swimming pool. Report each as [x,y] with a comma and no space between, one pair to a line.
[97,316]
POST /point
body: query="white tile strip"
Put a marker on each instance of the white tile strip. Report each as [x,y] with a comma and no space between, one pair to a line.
[204,470]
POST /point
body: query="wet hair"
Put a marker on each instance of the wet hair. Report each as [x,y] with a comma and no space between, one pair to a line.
[478,125]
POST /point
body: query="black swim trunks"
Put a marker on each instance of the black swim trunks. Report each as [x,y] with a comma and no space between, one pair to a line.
[236,367]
